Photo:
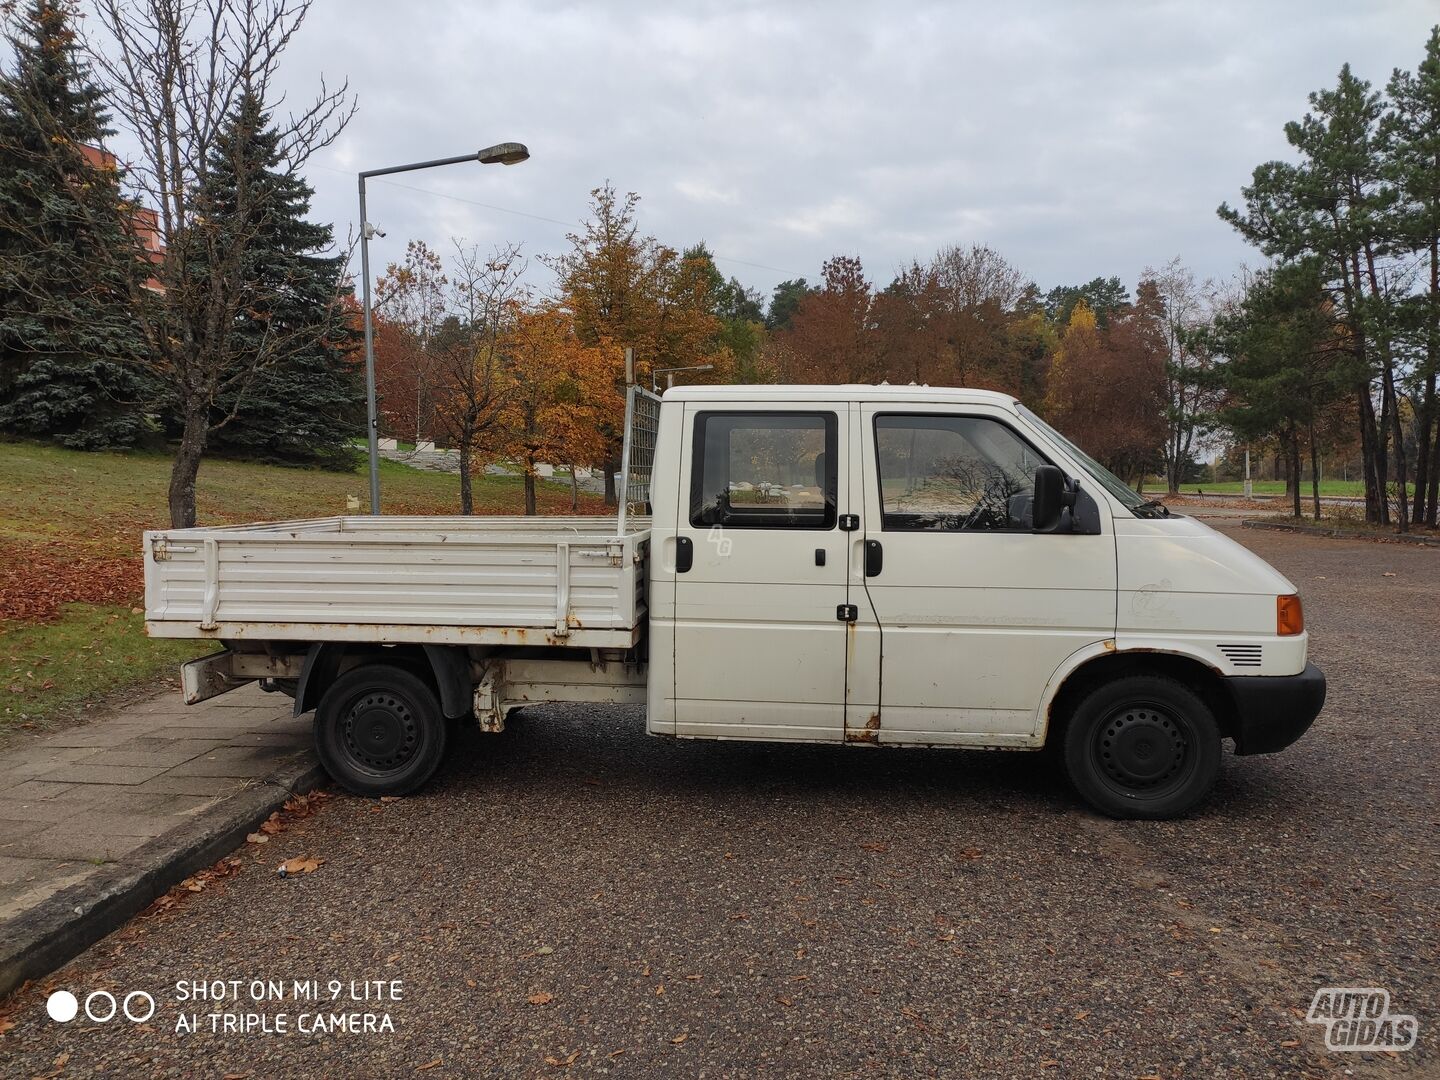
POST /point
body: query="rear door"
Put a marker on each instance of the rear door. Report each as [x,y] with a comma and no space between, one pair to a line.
[759,642]
[975,611]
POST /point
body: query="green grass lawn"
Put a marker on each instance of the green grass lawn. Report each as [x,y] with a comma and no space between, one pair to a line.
[1264,487]
[52,668]
[67,508]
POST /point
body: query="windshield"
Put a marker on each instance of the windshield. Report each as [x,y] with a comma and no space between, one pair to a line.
[1137,505]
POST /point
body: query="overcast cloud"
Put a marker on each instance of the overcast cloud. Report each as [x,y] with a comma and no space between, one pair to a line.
[1076,138]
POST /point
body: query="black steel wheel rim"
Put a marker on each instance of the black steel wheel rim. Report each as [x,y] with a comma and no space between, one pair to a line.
[379,731]
[1144,749]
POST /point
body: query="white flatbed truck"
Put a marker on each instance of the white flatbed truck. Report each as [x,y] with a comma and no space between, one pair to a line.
[861,565]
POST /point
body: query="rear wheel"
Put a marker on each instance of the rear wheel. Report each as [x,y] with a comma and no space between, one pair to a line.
[1144,746]
[379,730]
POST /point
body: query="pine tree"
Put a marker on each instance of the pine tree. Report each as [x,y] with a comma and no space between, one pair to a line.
[1412,141]
[307,404]
[69,341]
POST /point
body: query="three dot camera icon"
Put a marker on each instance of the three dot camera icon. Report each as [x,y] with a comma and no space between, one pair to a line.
[101,1006]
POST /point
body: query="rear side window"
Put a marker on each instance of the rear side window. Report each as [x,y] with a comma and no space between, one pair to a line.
[953,474]
[764,470]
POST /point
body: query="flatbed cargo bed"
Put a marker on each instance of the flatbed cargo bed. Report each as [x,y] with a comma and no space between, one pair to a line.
[572,581]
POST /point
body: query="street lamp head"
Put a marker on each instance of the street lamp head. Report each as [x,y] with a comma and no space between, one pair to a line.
[505,153]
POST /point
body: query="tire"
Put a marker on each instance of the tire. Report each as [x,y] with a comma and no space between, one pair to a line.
[379,730]
[1143,746]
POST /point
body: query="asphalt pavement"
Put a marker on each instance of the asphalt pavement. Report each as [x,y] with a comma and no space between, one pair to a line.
[574,896]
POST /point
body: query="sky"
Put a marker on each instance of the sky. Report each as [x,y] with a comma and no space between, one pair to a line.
[1077,139]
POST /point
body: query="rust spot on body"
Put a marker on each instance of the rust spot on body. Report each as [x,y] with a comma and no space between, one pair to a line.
[869,733]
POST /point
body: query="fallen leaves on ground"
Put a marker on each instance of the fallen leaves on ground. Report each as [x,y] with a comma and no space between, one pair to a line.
[541,998]
[430,1065]
[37,579]
[562,1063]
[195,883]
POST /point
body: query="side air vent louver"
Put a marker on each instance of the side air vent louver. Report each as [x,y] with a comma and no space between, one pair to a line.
[1242,655]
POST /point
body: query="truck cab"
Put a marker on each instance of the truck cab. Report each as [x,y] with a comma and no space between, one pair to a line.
[917,566]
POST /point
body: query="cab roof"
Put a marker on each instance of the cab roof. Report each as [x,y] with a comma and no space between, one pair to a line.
[846,392]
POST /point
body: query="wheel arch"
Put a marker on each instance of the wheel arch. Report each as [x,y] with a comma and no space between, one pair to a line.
[446,667]
[1101,663]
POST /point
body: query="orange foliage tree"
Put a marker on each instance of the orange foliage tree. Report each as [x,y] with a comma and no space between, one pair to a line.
[623,288]
[1107,387]
[559,396]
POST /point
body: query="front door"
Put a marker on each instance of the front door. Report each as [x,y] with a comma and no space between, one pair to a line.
[759,642]
[975,611]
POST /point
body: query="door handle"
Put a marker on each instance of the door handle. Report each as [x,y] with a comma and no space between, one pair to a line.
[874,558]
[684,554]
[819,556]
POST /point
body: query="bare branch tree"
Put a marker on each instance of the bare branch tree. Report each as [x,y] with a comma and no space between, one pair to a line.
[473,390]
[177,72]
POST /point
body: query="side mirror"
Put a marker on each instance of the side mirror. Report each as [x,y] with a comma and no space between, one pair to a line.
[1046,505]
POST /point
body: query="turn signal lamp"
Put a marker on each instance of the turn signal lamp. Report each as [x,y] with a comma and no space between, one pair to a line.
[1289,619]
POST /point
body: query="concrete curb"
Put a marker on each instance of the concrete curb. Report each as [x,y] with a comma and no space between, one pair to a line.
[62,926]
[1339,534]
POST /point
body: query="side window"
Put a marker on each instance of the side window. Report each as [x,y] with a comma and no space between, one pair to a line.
[763,470]
[953,474]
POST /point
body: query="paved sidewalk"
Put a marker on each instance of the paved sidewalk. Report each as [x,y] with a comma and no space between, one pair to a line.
[101,819]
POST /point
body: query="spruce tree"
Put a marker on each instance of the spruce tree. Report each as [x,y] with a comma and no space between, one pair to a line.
[307,404]
[69,342]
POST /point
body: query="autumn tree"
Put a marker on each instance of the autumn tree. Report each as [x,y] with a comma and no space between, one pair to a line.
[623,288]
[410,302]
[469,381]
[1106,386]
[831,332]
[558,396]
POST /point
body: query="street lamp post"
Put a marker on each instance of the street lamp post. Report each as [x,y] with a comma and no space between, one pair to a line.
[508,153]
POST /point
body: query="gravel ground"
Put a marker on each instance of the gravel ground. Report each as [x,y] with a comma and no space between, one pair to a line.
[575,895]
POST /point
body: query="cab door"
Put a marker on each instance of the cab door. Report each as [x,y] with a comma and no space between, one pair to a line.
[761,582]
[975,611]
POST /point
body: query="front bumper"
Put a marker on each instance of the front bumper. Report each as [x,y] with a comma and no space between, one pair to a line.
[1272,711]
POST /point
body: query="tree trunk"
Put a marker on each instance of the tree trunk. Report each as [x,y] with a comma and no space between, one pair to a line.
[1314,472]
[1293,480]
[1401,480]
[1432,502]
[574,490]
[187,467]
[467,490]
[530,510]
[1422,511]
[1375,510]
[612,463]
[1425,474]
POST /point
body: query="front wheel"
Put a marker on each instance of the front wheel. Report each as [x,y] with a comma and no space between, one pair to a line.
[379,730]
[1143,746]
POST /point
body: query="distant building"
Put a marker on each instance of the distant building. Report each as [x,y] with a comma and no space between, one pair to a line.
[144,222]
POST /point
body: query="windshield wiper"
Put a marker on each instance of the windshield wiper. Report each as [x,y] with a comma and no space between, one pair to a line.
[1151,508]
